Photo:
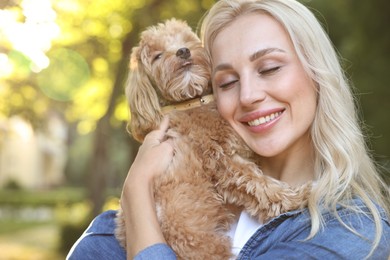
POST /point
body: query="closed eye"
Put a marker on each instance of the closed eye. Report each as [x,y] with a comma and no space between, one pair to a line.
[269,71]
[157,57]
[227,84]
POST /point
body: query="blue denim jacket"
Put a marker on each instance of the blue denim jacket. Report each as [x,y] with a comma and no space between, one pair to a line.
[284,237]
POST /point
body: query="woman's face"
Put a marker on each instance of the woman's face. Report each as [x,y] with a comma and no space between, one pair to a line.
[261,87]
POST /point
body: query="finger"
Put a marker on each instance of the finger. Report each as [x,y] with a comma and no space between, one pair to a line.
[158,135]
[162,129]
[164,124]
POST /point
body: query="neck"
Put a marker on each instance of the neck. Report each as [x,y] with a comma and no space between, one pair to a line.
[188,104]
[295,167]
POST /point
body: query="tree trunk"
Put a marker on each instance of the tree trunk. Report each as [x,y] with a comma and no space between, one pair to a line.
[99,165]
[99,168]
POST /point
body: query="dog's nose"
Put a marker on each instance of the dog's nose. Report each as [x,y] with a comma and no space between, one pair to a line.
[183,53]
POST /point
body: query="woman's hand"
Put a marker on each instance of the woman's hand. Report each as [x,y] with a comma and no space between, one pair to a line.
[154,156]
[137,201]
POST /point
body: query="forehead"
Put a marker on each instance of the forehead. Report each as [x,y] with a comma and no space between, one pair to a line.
[170,34]
[248,34]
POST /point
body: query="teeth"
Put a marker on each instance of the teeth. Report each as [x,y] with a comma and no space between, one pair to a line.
[263,120]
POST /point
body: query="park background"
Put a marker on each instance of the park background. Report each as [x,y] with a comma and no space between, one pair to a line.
[64,148]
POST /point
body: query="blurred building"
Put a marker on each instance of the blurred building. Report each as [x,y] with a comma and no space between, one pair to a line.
[32,159]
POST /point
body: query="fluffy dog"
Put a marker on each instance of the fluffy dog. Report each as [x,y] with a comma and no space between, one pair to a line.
[213,172]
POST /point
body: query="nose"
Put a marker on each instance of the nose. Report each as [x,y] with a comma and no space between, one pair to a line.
[183,53]
[251,91]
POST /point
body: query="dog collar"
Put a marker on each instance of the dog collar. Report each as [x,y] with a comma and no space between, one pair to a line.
[196,102]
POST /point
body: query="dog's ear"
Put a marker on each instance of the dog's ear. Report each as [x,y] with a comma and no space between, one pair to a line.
[143,101]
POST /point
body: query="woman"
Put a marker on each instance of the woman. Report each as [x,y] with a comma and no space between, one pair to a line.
[278,82]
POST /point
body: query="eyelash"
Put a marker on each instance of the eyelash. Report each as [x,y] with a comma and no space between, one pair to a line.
[269,71]
[226,85]
[265,72]
[157,57]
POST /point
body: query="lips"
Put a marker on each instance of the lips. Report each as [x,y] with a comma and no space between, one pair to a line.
[265,119]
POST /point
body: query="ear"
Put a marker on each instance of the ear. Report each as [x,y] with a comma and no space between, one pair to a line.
[142,98]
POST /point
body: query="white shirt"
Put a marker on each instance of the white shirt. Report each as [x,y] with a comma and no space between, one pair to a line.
[241,231]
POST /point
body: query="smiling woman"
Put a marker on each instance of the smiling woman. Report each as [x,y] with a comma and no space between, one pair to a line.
[316,133]
[262,90]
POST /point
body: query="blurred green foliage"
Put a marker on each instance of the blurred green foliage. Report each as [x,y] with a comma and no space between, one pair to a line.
[358,30]
[69,208]
[73,220]
[35,198]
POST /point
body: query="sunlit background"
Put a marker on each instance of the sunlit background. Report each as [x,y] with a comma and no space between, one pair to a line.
[64,149]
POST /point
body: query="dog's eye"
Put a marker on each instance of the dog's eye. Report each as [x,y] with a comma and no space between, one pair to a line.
[157,57]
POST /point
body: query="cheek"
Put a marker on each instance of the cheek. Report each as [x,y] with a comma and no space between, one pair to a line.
[227,102]
[306,103]
[302,89]
[224,108]
[221,108]
[308,93]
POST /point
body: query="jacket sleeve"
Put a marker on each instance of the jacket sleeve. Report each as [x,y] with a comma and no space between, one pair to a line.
[156,251]
[98,242]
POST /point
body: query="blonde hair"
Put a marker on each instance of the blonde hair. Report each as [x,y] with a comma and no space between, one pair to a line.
[343,166]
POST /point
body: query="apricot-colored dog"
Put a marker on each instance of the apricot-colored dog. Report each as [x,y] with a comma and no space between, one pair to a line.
[212,171]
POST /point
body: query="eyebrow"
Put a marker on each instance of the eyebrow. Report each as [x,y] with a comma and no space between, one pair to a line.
[263,52]
[258,54]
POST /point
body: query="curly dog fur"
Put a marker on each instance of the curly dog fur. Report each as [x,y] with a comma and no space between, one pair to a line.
[213,171]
